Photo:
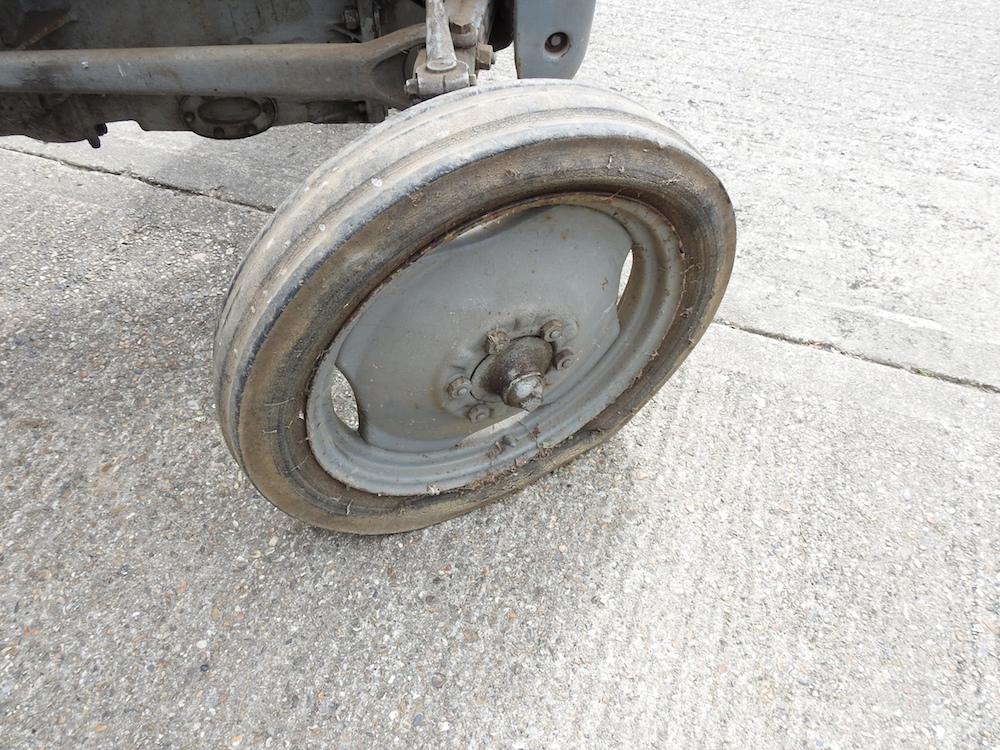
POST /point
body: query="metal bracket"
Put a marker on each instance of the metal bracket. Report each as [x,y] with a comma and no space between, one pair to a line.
[438,69]
[550,39]
[456,50]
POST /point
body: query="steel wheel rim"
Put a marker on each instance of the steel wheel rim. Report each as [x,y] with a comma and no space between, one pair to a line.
[644,314]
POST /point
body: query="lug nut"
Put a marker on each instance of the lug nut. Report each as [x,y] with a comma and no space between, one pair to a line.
[563,359]
[459,387]
[479,412]
[496,341]
[554,330]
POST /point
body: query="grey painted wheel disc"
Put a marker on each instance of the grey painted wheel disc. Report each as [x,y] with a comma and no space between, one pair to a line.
[582,287]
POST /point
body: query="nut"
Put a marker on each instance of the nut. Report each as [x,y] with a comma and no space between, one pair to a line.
[479,412]
[485,56]
[459,387]
[554,330]
[563,359]
[461,24]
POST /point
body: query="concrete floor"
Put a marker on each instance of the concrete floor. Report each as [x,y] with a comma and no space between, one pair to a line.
[796,544]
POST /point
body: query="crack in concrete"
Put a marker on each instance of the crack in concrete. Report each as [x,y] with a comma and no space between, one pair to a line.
[144,180]
[828,347]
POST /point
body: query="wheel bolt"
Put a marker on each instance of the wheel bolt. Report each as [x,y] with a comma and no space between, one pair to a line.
[479,412]
[554,330]
[563,359]
[459,387]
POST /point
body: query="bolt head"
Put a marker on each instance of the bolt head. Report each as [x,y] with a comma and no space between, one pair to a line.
[460,26]
[485,56]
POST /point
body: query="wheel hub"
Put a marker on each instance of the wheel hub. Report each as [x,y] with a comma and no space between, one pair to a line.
[516,374]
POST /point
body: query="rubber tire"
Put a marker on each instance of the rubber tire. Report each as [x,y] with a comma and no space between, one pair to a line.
[367,211]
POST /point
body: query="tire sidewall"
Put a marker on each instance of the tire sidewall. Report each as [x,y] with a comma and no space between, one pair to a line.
[384,226]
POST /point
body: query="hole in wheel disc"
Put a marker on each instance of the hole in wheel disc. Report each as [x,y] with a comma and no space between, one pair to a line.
[345,405]
[626,275]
